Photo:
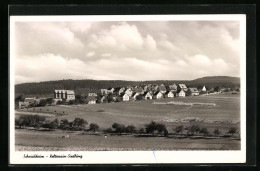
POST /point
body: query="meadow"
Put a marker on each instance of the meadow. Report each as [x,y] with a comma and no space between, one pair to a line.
[224,115]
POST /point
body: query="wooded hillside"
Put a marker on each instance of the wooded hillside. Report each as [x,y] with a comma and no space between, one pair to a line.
[85,86]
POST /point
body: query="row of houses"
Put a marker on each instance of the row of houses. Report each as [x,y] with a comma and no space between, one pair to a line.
[146,92]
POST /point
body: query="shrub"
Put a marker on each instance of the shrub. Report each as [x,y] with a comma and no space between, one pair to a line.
[42,102]
[93,127]
[165,133]
[51,125]
[150,128]
[141,131]
[108,130]
[160,127]
[130,129]
[194,129]
[232,131]
[204,131]
[79,124]
[179,129]
[216,132]
[65,124]
[30,120]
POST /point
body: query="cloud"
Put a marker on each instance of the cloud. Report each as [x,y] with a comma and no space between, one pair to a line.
[90,54]
[126,50]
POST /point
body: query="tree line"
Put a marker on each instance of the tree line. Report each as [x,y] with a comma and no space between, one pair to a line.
[153,128]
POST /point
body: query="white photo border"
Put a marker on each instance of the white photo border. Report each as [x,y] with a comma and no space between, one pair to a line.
[131,157]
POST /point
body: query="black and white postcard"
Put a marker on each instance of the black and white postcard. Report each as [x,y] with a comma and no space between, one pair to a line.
[127,89]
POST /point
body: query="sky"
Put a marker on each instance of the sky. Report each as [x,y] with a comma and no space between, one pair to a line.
[126,50]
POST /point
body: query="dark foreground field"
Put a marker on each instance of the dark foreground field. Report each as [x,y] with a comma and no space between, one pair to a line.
[29,140]
[224,115]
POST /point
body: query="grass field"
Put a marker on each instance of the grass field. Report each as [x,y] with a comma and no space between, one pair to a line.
[51,141]
[224,115]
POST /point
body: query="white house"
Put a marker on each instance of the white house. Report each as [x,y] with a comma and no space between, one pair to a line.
[30,100]
[169,94]
[64,94]
[91,100]
[204,89]
[181,93]
[23,105]
[129,92]
[148,96]
[158,95]
[126,97]
[193,92]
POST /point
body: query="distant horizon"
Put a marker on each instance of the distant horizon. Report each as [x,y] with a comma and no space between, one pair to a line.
[126,80]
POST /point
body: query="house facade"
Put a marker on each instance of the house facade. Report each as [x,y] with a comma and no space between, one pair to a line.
[23,105]
[91,100]
[126,97]
[169,94]
[129,92]
[193,92]
[64,94]
[158,95]
[148,96]
[181,93]
[204,89]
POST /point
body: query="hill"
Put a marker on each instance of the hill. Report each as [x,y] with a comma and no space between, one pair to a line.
[84,86]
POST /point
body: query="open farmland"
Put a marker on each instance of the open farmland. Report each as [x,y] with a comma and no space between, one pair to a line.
[227,109]
[224,115]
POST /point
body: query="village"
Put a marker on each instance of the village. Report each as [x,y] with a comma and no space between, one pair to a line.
[121,94]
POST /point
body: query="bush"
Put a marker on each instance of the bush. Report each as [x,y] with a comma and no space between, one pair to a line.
[108,130]
[204,131]
[141,131]
[51,125]
[216,132]
[160,127]
[179,129]
[65,124]
[42,103]
[93,127]
[165,133]
[194,129]
[79,124]
[30,120]
[150,128]
[130,129]
[232,131]
[153,126]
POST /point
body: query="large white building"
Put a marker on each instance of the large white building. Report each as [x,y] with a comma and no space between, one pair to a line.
[64,94]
